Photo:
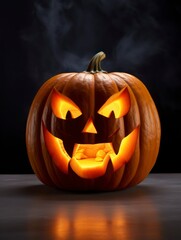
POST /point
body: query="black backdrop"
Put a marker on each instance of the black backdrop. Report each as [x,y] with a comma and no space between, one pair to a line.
[43,38]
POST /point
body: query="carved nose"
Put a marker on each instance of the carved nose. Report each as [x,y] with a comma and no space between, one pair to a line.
[89,127]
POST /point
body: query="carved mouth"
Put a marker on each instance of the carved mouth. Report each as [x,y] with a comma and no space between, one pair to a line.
[90,160]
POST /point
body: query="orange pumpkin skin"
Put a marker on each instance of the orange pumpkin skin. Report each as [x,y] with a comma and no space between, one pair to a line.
[89,90]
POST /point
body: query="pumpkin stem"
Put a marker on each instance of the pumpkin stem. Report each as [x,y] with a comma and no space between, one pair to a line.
[95,63]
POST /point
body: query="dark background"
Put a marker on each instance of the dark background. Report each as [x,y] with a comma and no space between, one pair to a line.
[43,38]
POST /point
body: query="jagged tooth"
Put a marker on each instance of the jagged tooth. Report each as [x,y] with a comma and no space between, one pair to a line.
[68,147]
[108,148]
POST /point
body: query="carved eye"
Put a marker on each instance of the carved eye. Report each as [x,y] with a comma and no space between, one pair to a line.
[62,106]
[119,103]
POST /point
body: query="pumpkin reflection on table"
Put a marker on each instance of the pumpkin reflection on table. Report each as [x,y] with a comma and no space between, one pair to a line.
[128,214]
[97,222]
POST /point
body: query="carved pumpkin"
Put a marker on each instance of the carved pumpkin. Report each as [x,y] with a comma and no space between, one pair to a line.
[93,130]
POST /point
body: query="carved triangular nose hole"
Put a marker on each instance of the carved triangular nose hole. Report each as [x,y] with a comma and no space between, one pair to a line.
[89,127]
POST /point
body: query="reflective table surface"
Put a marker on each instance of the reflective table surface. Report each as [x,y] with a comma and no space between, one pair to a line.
[149,211]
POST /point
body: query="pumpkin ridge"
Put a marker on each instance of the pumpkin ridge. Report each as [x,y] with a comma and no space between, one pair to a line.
[126,174]
[139,90]
[123,77]
[120,173]
[48,162]
[54,80]
[36,159]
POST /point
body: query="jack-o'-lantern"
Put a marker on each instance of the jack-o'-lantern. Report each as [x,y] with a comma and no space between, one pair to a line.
[93,130]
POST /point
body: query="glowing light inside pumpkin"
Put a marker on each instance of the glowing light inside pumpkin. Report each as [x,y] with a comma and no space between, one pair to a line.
[61,105]
[119,103]
[89,127]
[56,150]
[90,160]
